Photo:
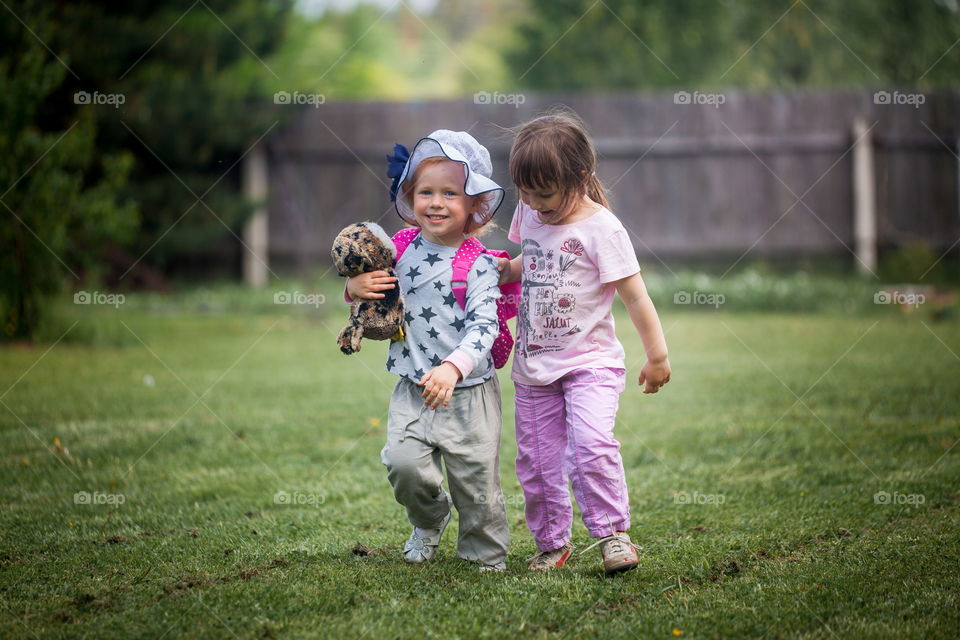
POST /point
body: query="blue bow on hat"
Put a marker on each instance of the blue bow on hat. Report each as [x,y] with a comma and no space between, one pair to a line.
[395,165]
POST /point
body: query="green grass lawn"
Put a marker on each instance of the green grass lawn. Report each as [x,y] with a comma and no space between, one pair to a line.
[753,478]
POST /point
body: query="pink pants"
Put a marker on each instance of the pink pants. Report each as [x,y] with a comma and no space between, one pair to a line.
[565,430]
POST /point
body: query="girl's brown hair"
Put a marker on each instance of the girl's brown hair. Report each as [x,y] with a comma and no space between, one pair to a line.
[478,204]
[555,151]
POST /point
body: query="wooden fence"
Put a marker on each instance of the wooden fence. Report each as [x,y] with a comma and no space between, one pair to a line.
[728,175]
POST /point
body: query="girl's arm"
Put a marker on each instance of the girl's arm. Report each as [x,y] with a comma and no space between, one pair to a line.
[656,371]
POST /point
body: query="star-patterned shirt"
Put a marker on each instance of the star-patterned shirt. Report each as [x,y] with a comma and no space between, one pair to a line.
[436,328]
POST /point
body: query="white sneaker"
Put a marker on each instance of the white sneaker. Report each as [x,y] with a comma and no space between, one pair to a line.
[423,543]
[618,552]
[500,567]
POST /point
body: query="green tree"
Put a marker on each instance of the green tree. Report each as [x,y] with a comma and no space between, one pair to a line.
[853,43]
[60,199]
[195,89]
[570,45]
[581,44]
[372,53]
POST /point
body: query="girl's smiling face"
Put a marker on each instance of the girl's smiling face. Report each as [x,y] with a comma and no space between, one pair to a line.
[440,206]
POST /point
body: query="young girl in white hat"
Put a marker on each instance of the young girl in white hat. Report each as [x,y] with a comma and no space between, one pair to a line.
[446,403]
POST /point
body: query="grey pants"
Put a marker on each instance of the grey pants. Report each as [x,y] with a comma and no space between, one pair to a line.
[466,437]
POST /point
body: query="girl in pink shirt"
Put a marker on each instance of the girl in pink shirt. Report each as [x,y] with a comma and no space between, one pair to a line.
[568,367]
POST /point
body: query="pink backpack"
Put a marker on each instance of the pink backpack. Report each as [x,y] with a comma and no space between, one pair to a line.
[466,255]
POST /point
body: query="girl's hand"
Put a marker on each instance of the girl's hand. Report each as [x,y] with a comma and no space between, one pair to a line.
[509,270]
[368,285]
[438,384]
[655,374]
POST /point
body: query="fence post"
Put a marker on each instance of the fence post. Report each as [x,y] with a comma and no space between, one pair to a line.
[864,199]
[255,254]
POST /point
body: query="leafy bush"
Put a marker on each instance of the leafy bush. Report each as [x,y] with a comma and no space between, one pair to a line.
[61,201]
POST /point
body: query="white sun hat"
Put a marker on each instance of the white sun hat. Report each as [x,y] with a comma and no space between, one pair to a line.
[458,146]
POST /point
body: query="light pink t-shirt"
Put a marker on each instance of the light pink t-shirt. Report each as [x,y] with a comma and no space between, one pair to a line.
[568,276]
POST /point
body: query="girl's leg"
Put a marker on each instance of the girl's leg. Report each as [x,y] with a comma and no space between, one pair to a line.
[413,463]
[468,434]
[541,443]
[591,398]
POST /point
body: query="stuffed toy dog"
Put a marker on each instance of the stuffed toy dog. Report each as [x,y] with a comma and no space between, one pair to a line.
[361,248]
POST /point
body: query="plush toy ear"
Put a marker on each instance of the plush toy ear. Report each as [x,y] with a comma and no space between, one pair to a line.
[382,235]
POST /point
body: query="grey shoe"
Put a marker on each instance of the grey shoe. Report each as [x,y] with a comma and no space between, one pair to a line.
[500,567]
[423,543]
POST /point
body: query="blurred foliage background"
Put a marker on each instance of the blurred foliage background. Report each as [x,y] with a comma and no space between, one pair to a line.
[95,191]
